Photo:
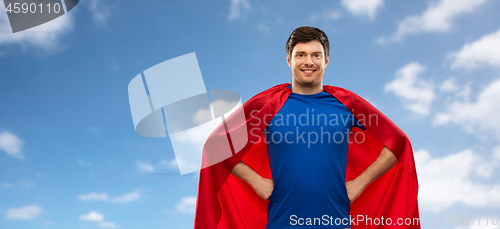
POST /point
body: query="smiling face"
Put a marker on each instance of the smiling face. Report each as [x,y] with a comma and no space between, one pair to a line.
[308,63]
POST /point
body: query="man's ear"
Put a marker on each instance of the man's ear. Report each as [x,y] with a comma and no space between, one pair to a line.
[327,59]
[288,61]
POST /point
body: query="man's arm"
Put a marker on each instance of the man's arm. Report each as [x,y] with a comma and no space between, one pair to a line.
[385,161]
[262,186]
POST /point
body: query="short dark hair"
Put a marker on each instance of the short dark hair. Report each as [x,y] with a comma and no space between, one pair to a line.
[306,34]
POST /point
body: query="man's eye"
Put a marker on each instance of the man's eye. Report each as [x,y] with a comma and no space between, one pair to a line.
[300,55]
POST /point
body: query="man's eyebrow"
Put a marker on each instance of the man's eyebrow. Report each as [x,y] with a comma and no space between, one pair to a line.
[305,52]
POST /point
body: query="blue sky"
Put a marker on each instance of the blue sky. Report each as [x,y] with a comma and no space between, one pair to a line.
[69,155]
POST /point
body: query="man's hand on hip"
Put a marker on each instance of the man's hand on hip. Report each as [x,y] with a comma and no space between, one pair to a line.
[264,188]
[354,189]
[384,162]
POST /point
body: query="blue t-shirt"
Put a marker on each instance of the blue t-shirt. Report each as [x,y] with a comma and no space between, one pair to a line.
[307,141]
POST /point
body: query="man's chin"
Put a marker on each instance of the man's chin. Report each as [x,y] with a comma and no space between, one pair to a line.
[309,83]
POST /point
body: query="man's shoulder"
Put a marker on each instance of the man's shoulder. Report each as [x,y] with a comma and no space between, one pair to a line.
[337,89]
[266,96]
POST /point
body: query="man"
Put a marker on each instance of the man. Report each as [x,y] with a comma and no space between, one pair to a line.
[302,182]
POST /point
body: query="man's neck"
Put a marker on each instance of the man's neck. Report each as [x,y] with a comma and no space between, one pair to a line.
[304,90]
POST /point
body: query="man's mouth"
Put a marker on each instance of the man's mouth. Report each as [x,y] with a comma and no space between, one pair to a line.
[308,71]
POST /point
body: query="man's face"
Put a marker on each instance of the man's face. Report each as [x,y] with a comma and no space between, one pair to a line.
[308,63]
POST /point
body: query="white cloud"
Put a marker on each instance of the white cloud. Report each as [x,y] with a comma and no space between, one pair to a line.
[188,144]
[127,198]
[107,225]
[449,85]
[165,164]
[438,17]
[187,205]
[465,93]
[238,8]
[483,52]
[145,167]
[200,117]
[11,144]
[124,198]
[196,135]
[100,11]
[330,15]
[24,213]
[6,185]
[452,179]
[97,217]
[168,163]
[496,155]
[82,162]
[263,28]
[92,216]
[24,184]
[480,116]
[45,37]
[94,196]
[367,8]
[416,94]
[94,128]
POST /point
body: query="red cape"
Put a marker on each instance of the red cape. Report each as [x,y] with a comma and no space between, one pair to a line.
[226,202]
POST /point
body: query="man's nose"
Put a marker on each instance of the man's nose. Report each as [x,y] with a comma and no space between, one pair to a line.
[309,61]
